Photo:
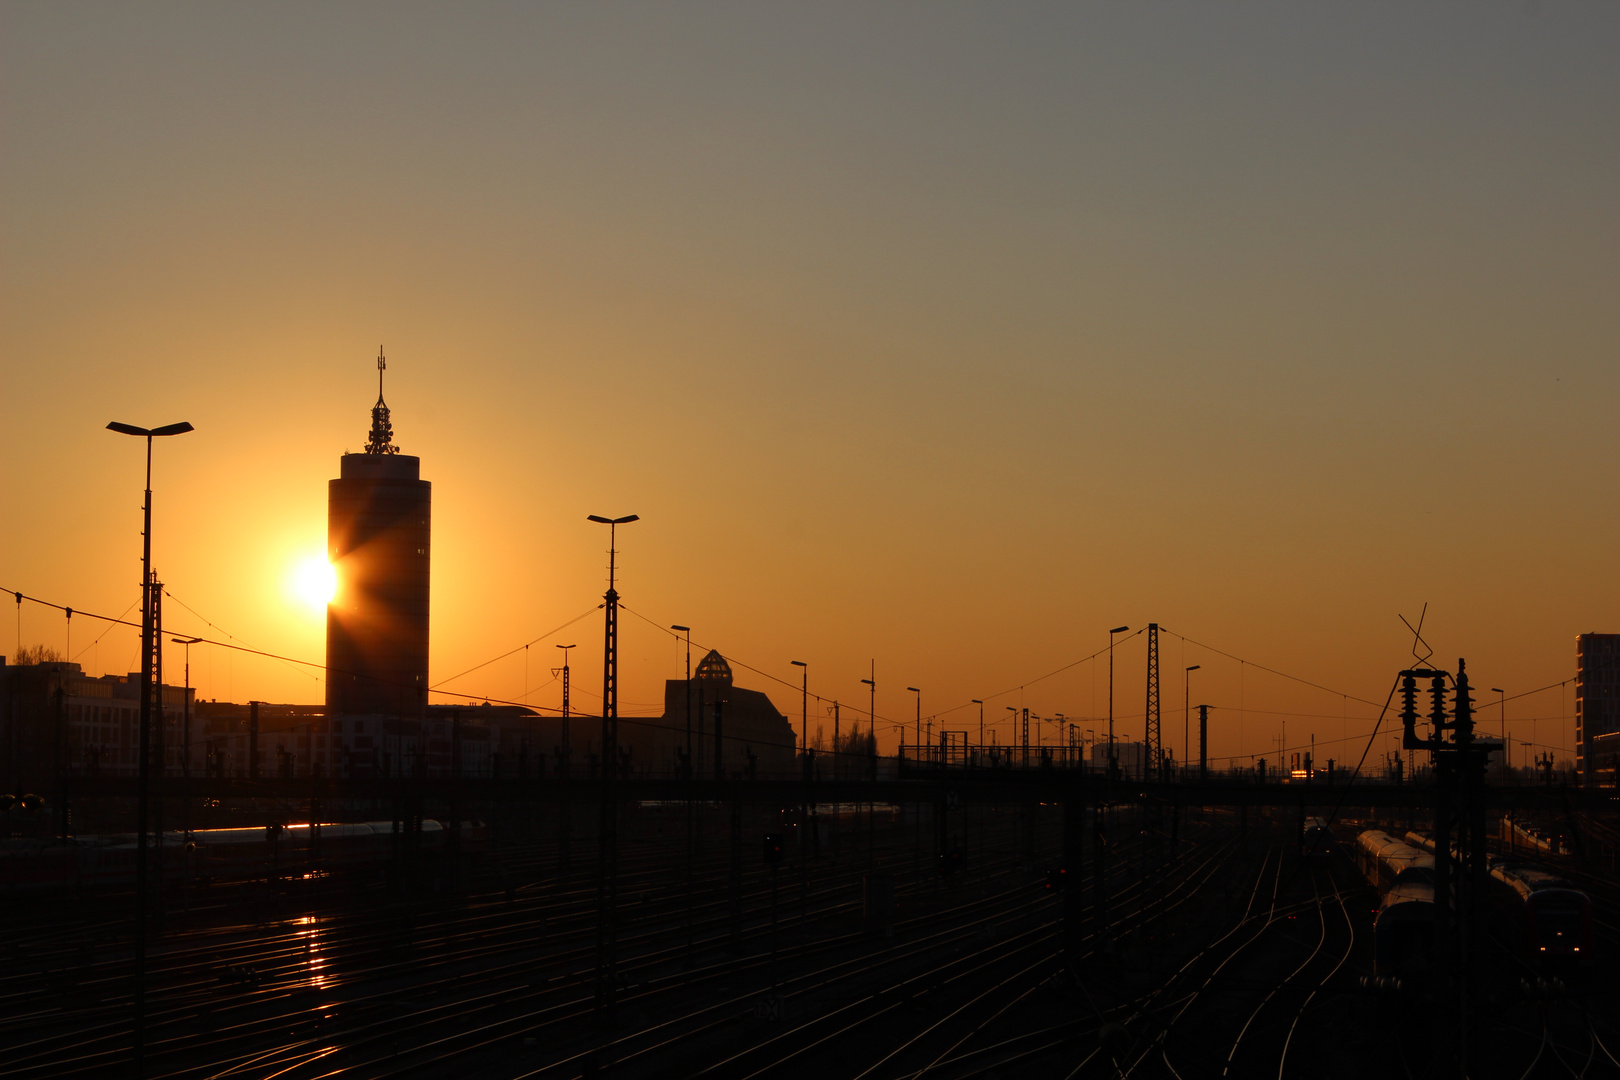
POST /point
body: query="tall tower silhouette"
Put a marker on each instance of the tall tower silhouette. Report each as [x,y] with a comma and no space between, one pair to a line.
[378,538]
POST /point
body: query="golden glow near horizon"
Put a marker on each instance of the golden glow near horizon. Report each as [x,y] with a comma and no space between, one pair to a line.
[314,582]
[946,337]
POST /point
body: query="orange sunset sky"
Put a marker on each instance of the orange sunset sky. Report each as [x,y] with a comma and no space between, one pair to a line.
[947,336]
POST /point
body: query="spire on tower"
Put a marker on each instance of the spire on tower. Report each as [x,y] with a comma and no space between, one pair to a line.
[382,431]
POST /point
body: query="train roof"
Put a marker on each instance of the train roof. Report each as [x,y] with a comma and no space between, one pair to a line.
[1527,879]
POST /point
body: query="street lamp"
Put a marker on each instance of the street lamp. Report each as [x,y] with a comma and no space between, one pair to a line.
[1501,702]
[1112,762]
[687,630]
[151,646]
[1186,697]
[804,704]
[871,708]
[608,832]
[918,692]
[185,737]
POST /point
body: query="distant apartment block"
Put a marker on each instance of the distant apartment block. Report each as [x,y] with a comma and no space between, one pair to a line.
[56,718]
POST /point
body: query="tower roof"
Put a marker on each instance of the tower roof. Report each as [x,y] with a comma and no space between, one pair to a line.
[714,669]
[382,431]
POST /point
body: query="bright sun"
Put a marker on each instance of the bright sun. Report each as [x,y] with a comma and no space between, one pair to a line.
[315,582]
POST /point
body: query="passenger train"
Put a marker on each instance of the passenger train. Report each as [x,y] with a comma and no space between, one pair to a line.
[1403,932]
[1540,917]
[99,861]
[1316,838]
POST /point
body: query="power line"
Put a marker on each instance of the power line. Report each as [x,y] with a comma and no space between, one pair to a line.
[520,648]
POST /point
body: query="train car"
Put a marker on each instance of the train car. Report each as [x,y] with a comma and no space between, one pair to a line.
[1387,862]
[1541,917]
[109,860]
[1316,838]
[1403,930]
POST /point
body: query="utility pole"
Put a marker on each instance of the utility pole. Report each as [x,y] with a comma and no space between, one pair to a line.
[1459,855]
[980,704]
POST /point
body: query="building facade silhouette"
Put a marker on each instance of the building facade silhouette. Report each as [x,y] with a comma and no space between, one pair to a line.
[379,540]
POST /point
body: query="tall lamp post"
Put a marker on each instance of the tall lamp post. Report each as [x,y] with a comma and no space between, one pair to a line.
[1186,711]
[804,705]
[918,692]
[151,647]
[608,841]
[1113,762]
[687,630]
[1501,702]
[185,736]
[871,708]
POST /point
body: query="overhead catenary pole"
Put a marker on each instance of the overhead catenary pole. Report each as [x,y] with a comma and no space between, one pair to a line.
[1151,764]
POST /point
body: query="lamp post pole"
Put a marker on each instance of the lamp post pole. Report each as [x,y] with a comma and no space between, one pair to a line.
[185,737]
[1186,698]
[1113,762]
[691,824]
[871,708]
[918,692]
[608,841]
[151,644]
[871,734]
[804,706]
[687,630]
[1501,702]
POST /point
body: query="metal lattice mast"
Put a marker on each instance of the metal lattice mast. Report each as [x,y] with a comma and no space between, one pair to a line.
[1152,762]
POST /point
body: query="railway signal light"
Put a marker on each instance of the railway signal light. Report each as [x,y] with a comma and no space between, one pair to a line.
[1057,879]
[775,849]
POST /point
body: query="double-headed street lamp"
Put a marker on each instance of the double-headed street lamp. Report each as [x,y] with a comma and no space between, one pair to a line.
[151,645]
